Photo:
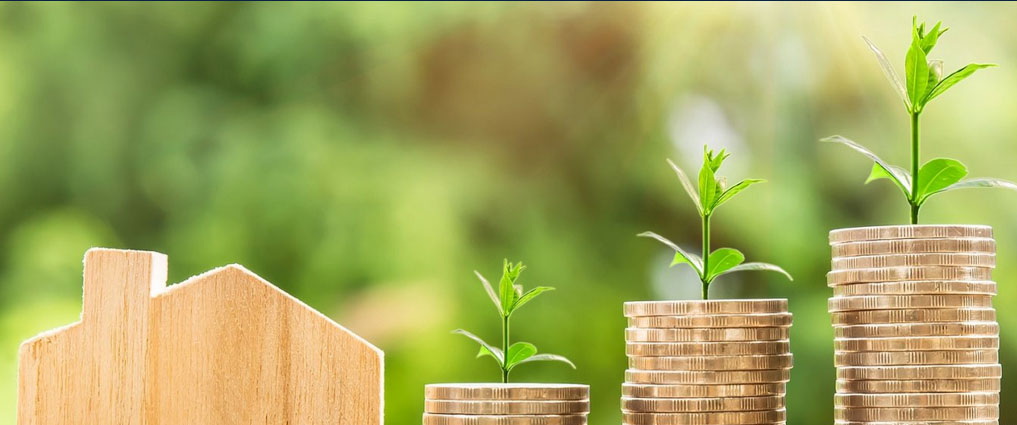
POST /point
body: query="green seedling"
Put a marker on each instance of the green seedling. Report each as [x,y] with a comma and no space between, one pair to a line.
[507,299]
[924,81]
[712,193]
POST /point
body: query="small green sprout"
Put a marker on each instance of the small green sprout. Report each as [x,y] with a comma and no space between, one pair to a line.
[712,193]
[924,81]
[507,300]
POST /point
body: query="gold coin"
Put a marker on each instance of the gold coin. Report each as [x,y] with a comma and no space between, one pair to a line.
[918,329]
[916,343]
[507,407]
[897,274]
[742,418]
[705,334]
[877,373]
[913,260]
[930,287]
[692,307]
[707,376]
[917,399]
[985,422]
[689,405]
[678,349]
[769,320]
[919,386]
[913,231]
[891,358]
[485,391]
[779,361]
[914,315]
[437,419]
[915,246]
[916,413]
[894,302]
[702,391]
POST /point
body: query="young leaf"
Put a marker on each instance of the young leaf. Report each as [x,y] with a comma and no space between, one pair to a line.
[707,184]
[890,73]
[935,73]
[530,295]
[723,260]
[929,40]
[549,358]
[938,174]
[506,288]
[491,350]
[680,255]
[955,78]
[897,174]
[518,353]
[691,190]
[490,292]
[758,266]
[916,68]
[733,190]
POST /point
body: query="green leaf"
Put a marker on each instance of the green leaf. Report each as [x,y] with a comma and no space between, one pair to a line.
[916,67]
[707,184]
[691,190]
[982,182]
[758,266]
[935,73]
[491,350]
[890,73]
[518,353]
[936,175]
[490,292]
[680,255]
[723,260]
[929,40]
[955,78]
[530,295]
[878,172]
[506,288]
[733,190]
[549,358]
[895,173]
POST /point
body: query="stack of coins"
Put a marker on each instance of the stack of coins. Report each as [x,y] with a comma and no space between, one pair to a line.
[916,335]
[706,362]
[506,404]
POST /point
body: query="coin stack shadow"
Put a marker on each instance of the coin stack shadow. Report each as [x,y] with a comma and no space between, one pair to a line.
[917,340]
[706,362]
[506,404]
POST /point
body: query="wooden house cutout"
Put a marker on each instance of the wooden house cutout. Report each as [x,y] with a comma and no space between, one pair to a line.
[224,347]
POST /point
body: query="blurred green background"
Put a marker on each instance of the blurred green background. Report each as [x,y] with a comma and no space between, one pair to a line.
[367,157]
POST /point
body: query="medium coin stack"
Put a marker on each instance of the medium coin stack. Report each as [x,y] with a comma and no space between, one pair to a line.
[706,362]
[506,404]
[916,335]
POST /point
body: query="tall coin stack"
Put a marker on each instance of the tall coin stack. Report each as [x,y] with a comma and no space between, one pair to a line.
[706,362]
[506,404]
[916,335]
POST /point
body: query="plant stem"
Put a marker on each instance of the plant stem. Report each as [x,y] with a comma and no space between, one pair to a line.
[706,256]
[504,348]
[914,168]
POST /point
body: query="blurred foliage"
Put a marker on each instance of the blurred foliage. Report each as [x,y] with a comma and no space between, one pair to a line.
[367,157]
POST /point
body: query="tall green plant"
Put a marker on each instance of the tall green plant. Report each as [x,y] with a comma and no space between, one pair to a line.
[924,81]
[711,193]
[507,299]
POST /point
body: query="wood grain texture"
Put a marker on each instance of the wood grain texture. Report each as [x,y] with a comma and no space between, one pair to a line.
[225,347]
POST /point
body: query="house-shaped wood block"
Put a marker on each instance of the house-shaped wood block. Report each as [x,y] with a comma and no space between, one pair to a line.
[224,347]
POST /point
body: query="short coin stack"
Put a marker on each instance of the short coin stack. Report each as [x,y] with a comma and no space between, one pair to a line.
[916,335]
[706,362]
[506,404]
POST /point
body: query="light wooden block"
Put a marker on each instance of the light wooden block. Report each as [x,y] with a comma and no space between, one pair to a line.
[224,347]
